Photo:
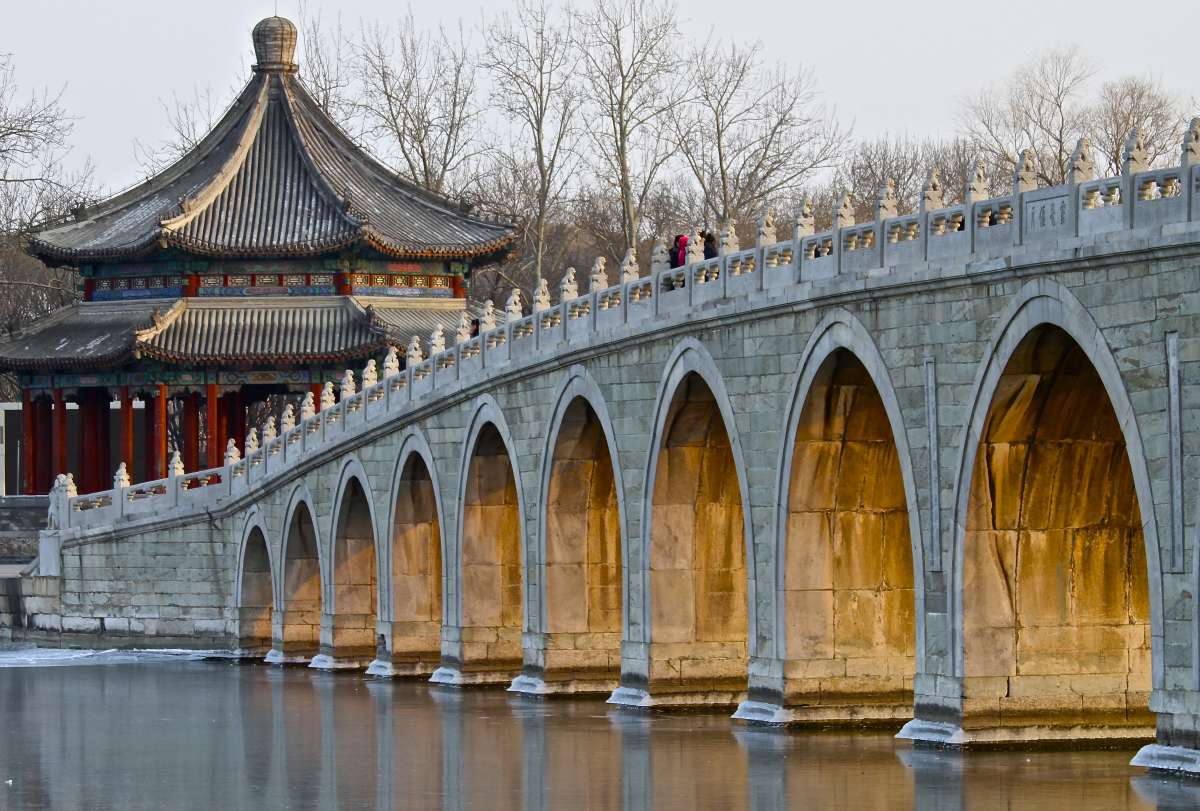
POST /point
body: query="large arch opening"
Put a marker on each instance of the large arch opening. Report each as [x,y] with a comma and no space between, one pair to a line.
[849,631]
[256,595]
[416,571]
[697,554]
[354,589]
[1056,629]
[299,633]
[491,559]
[583,554]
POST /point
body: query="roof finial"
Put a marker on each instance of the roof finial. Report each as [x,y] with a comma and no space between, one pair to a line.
[275,44]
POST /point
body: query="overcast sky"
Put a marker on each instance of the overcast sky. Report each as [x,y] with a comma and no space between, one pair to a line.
[895,67]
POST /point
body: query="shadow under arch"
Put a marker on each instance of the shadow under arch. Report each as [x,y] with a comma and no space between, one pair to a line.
[847,603]
[1046,336]
[412,604]
[296,628]
[688,668]
[255,586]
[488,555]
[579,603]
[352,594]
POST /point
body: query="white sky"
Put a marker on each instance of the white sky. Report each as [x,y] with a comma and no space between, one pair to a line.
[895,67]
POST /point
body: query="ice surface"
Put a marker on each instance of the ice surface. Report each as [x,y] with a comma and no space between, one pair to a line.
[54,657]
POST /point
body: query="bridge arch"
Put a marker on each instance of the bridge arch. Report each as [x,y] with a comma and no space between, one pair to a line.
[1046,323]
[414,558]
[575,581]
[301,575]
[254,584]
[692,379]
[489,549]
[352,595]
[863,591]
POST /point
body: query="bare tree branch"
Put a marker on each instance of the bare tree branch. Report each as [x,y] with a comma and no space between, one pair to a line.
[749,133]
[533,65]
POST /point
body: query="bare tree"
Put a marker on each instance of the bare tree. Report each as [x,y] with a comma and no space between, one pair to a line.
[417,99]
[533,64]
[1041,107]
[189,119]
[872,163]
[627,48]
[35,187]
[1135,102]
[326,67]
[34,134]
[749,132]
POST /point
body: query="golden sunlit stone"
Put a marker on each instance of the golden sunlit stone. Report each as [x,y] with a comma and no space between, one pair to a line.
[1056,615]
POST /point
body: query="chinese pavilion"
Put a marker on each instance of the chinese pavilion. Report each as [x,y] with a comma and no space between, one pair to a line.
[265,261]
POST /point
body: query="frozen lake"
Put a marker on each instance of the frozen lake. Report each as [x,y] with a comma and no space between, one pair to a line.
[127,732]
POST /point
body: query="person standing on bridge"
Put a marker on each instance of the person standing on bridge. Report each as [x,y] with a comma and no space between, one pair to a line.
[679,252]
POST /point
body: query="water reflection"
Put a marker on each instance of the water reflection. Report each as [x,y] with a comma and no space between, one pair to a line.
[210,735]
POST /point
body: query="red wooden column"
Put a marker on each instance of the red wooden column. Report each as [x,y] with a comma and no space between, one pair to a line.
[191,431]
[214,448]
[160,432]
[149,465]
[92,475]
[58,434]
[127,429]
[154,418]
[28,431]
[104,427]
[315,388]
[43,477]
[237,420]
[223,414]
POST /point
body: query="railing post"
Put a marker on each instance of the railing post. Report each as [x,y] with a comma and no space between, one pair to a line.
[931,200]
[843,216]
[1133,160]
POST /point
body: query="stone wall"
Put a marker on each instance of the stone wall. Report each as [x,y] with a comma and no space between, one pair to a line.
[21,519]
[1056,610]
[697,554]
[491,560]
[583,554]
[849,633]
[718,415]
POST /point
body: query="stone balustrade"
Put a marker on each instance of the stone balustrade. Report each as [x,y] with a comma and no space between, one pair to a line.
[1028,227]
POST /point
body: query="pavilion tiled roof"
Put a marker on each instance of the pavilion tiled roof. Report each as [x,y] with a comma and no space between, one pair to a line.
[223,331]
[275,178]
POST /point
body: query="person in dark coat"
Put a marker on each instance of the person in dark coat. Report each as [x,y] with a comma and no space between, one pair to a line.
[677,254]
[710,244]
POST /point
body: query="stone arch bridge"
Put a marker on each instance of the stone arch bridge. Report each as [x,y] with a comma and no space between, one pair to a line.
[940,467]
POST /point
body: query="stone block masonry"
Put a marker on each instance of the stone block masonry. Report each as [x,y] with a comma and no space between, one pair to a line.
[938,467]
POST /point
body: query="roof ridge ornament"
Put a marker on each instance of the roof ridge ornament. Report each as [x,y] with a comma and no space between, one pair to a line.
[275,45]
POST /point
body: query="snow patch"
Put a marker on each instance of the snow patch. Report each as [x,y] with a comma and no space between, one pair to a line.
[53,657]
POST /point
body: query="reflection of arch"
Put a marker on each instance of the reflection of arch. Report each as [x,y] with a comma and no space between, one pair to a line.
[1041,302]
[840,330]
[488,424]
[691,357]
[413,560]
[352,597]
[580,397]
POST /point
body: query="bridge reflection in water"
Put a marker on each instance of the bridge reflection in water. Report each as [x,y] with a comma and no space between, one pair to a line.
[212,735]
